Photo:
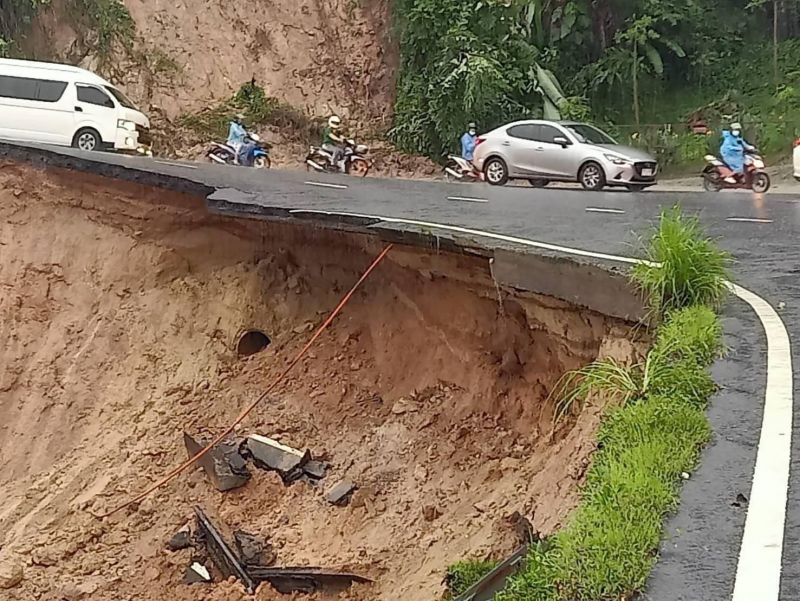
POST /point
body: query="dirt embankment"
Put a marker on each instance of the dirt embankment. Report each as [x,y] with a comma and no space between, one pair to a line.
[119,309]
[320,57]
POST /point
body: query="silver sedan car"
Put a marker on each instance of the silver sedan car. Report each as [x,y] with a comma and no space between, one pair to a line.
[561,151]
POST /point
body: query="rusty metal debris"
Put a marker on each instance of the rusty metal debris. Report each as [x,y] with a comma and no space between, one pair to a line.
[305,580]
[223,465]
[495,581]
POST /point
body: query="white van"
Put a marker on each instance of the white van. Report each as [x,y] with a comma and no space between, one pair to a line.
[68,106]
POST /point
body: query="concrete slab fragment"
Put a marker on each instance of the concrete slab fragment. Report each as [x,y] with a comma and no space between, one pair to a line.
[270,454]
[341,492]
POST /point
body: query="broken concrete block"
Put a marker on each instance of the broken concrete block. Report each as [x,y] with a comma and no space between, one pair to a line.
[272,455]
[182,539]
[196,573]
[223,465]
[341,492]
[11,572]
[315,469]
[252,550]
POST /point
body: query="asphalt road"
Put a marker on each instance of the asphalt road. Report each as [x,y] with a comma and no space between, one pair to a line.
[700,552]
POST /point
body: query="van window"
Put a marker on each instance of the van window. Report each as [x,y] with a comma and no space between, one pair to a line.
[26,88]
[94,96]
[51,91]
[21,88]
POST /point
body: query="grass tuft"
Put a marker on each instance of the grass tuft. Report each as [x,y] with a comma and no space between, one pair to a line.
[463,574]
[684,267]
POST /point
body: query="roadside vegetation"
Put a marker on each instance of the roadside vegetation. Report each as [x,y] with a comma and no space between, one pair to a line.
[645,70]
[651,435]
[258,108]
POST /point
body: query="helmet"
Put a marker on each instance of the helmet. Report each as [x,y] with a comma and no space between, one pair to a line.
[736,125]
[334,122]
[472,125]
[238,117]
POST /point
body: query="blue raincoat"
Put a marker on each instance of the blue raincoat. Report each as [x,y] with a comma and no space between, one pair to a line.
[732,151]
[236,134]
[468,143]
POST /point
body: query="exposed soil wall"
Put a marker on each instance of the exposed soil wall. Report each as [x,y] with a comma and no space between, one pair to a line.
[120,307]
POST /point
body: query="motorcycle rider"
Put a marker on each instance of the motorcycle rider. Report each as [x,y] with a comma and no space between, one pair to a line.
[333,140]
[236,133]
[733,149]
[468,142]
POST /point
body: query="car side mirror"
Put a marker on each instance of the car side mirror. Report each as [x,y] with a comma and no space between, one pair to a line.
[561,141]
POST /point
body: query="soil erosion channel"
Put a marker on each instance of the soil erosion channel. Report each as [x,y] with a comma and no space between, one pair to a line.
[121,310]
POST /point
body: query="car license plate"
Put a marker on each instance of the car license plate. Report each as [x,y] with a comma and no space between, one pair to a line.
[647,172]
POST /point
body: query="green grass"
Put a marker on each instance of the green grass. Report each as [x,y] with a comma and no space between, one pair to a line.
[463,574]
[647,440]
[684,267]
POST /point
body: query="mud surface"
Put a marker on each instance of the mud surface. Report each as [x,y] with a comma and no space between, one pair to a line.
[120,310]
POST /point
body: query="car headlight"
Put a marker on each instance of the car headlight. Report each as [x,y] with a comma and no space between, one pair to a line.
[125,124]
[618,160]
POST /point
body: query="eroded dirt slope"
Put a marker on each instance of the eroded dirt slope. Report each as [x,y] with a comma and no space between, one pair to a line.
[319,56]
[119,309]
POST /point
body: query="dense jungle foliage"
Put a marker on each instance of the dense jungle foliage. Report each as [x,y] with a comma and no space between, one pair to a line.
[645,69]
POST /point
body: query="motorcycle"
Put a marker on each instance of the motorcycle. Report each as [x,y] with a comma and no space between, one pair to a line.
[352,162]
[460,169]
[717,175]
[225,154]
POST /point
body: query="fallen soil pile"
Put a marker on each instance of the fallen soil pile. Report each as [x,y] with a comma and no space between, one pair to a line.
[121,308]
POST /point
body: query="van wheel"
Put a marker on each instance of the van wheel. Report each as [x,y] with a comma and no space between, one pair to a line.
[87,139]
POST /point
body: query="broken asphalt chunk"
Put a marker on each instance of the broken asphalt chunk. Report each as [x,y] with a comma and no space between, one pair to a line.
[223,465]
[305,580]
[196,573]
[271,455]
[341,492]
[252,550]
[182,539]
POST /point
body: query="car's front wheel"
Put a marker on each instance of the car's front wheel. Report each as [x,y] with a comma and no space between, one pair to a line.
[496,172]
[592,177]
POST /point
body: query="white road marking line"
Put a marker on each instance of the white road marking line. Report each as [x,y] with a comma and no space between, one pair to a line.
[758,573]
[324,185]
[749,219]
[467,199]
[602,210]
[184,165]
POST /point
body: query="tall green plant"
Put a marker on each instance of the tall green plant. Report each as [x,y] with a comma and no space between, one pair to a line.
[683,266]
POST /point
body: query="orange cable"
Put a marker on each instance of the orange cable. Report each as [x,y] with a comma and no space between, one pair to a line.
[175,472]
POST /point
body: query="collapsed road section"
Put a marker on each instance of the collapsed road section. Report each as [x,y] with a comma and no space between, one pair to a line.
[414,434]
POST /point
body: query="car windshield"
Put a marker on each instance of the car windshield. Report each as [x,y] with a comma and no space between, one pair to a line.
[121,98]
[587,134]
